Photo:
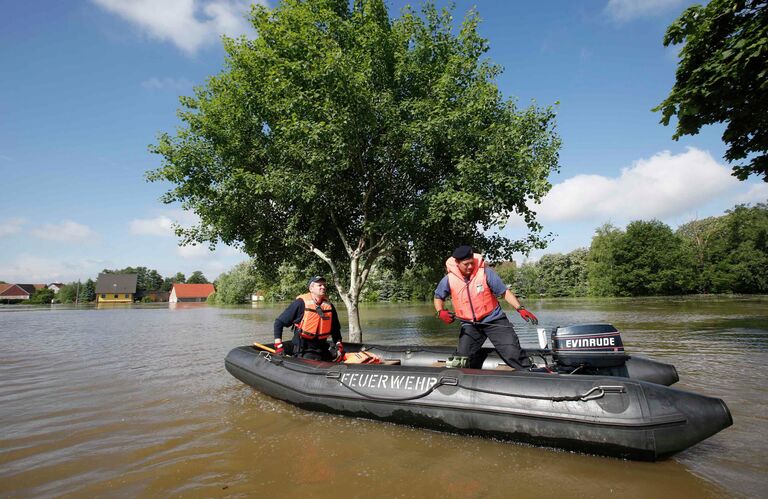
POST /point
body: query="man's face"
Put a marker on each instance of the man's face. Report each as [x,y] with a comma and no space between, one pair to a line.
[317,288]
[466,266]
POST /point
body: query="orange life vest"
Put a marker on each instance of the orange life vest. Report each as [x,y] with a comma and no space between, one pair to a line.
[315,324]
[472,300]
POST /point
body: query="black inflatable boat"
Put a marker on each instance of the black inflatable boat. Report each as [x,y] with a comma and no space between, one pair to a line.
[596,400]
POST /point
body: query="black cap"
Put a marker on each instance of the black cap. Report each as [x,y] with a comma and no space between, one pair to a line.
[315,278]
[462,252]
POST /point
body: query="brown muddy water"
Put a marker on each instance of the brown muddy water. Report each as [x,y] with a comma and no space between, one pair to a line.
[136,402]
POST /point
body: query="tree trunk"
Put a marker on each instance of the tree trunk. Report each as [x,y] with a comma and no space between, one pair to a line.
[353,314]
[358,275]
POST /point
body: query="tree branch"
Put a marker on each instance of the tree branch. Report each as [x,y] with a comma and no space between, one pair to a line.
[341,235]
[329,261]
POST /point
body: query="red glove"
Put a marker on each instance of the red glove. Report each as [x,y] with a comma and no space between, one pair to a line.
[339,351]
[446,316]
[528,316]
[279,350]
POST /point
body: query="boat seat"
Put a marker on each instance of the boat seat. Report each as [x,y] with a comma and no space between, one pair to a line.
[390,362]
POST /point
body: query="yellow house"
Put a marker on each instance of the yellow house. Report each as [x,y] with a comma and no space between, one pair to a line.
[115,288]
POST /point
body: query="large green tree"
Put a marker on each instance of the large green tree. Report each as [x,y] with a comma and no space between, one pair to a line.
[737,256]
[722,77]
[648,261]
[601,261]
[347,136]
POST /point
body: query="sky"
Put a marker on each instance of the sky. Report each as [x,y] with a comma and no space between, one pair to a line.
[86,86]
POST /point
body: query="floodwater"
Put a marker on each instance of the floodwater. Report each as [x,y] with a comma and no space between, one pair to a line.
[136,401]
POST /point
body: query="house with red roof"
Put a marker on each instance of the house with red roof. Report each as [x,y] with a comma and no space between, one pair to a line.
[190,292]
[14,292]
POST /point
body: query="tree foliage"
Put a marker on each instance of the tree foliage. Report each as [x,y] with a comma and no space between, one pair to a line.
[722,77]
[563,275]
[197,277]
[43,295]
[348,136]
[235,286]
[735,258]
[601,263]
[648,259]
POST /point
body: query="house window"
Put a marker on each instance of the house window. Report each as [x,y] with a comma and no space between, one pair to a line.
[103,295]
[117,296]
[126,295]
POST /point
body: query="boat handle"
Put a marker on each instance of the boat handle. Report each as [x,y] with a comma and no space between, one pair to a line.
[601,391]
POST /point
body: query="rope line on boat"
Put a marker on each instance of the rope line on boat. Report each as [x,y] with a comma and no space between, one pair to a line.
[595,392]
[443,380]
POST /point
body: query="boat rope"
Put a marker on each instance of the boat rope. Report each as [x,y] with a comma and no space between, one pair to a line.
[595,392]
[443,380]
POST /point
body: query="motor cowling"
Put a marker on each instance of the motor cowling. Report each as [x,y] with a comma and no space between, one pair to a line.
[588,345]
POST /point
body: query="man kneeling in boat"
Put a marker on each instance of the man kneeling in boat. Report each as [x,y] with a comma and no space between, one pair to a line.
[313,319]
[473,288]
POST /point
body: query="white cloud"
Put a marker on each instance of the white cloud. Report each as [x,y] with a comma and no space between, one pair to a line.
[155,83]
[32,269]
[188,24]
[11,226]
[194,252]
[628,10]
[158,226]
[67,231]
[757,193]
[162,224]
[662,186]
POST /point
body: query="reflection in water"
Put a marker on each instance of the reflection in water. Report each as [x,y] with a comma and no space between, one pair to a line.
[136,401]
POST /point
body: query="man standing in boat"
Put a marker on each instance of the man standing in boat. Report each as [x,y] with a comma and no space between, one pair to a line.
[474,288]
[313,319]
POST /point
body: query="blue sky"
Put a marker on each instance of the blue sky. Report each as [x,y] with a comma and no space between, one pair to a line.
[86,86]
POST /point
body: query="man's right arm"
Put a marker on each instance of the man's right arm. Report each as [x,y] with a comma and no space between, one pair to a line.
[441,293]
[290,315]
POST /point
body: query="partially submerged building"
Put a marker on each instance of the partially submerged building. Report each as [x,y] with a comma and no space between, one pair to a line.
[116,288]
[190,292]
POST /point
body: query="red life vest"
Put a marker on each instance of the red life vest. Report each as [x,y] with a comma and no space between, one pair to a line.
[473,300]
[315,324]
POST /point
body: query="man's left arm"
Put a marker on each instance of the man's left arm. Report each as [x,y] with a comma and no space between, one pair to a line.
[499,288]
[335,325]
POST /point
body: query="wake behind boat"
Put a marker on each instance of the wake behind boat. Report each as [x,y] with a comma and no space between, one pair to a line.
[596,400]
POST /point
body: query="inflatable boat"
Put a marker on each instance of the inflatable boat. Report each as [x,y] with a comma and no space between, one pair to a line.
[594,398]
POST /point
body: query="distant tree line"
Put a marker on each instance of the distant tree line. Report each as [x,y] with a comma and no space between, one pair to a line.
[147,281]
[725,254]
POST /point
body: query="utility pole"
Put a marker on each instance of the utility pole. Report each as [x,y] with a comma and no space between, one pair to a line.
[77,293]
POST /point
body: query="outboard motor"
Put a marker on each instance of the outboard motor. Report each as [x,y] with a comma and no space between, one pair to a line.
[588,346]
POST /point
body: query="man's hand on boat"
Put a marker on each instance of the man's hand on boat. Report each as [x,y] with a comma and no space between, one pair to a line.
[279,350]
[339,352]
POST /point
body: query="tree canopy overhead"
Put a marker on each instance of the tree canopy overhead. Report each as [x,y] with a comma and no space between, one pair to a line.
[722,77]
[345,135]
